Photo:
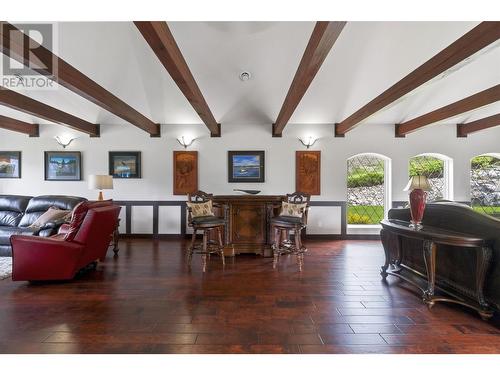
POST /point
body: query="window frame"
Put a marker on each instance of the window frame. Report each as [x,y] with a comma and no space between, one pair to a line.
[448,192]
[387,189]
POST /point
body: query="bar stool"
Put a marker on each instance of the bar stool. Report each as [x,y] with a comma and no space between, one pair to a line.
[293,216]
[202,218]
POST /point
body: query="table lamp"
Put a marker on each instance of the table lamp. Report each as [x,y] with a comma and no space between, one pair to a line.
[100,182]
[419,185]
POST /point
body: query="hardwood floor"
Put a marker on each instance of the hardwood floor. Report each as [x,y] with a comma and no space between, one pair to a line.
[146,301]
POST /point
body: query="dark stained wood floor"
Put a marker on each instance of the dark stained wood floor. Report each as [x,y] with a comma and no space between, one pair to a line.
[146,301]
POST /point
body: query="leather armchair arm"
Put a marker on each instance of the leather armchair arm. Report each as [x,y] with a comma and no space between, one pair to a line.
[39,258]
[63,229]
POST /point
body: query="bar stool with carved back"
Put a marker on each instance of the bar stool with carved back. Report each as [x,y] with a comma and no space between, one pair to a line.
[201,218]
[293,216]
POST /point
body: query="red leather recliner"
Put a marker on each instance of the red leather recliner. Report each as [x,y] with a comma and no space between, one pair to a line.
[60,257]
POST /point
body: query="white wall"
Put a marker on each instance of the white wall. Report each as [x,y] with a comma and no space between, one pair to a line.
[156,181]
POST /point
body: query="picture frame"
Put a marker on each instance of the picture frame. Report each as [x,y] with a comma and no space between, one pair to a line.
[246,166]
[185,170]
[63,165]
[125,164]
[308,172]
[10,164]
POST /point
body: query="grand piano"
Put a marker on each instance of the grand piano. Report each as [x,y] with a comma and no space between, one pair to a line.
[466,247]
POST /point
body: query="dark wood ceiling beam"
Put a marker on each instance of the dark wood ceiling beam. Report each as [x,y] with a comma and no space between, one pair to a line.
[470,103]
[159,37]
[8,123]
[478,38]
[463,130]
[70,78]
[35,108]
[320,43]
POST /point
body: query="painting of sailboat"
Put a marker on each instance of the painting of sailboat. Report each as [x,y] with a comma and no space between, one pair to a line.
[246,166]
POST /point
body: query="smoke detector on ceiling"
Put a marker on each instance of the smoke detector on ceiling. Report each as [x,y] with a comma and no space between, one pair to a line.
[245,76]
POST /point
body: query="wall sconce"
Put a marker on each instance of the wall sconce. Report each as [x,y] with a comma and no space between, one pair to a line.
[185,142]
[64,140]
[308,142]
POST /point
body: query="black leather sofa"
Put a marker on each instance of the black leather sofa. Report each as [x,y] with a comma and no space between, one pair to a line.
[454,267]
[18,212]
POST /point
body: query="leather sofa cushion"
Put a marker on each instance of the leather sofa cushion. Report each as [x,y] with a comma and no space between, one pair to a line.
[12,208]
[79,214]
[6,232]
[39,205]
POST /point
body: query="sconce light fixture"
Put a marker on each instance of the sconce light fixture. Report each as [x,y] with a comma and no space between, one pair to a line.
[64,140]
[308,142]
[185,141]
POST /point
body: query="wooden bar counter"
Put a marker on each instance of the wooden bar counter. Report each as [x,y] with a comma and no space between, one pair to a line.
[248,218]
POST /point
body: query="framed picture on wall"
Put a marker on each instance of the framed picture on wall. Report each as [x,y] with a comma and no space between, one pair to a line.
[125,164]
[185,172]
[246,166]
[10,164]
[308,172]
[63,166]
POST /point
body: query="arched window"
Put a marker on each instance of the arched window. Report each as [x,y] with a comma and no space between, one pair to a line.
[485,184]
[368,188]
[438,170]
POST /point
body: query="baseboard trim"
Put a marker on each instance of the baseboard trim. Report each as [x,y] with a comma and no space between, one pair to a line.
[340,237]
[151,236]
[307,237]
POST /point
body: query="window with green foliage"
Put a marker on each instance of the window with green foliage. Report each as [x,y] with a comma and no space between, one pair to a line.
[485,184]
[433,168]
[365,189]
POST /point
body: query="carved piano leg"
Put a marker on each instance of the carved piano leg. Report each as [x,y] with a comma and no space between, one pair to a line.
[384,236]
[430,250]
[484,255]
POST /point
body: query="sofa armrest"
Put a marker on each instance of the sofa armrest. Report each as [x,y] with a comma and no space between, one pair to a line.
[41,258]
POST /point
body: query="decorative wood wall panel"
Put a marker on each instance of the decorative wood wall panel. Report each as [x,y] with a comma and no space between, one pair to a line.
[185,172]
[308,172]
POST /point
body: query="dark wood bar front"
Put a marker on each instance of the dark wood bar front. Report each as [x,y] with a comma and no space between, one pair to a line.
[248,218]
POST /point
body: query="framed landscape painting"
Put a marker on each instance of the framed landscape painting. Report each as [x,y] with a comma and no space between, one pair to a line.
[308,172]
[246,166]
[185,172]
[125,164]
[63,166]
[10,164]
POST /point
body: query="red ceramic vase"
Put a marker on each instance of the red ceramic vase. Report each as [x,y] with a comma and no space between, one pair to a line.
[417,207]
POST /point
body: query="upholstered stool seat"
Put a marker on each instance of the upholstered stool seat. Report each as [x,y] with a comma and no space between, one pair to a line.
[208,220]
[293,217]
[202,218]
[284,220]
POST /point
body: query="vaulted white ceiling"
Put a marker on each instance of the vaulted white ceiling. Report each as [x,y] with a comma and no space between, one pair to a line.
[367,58]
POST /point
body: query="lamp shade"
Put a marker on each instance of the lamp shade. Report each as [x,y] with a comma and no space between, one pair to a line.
[418,182]
[100,182]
